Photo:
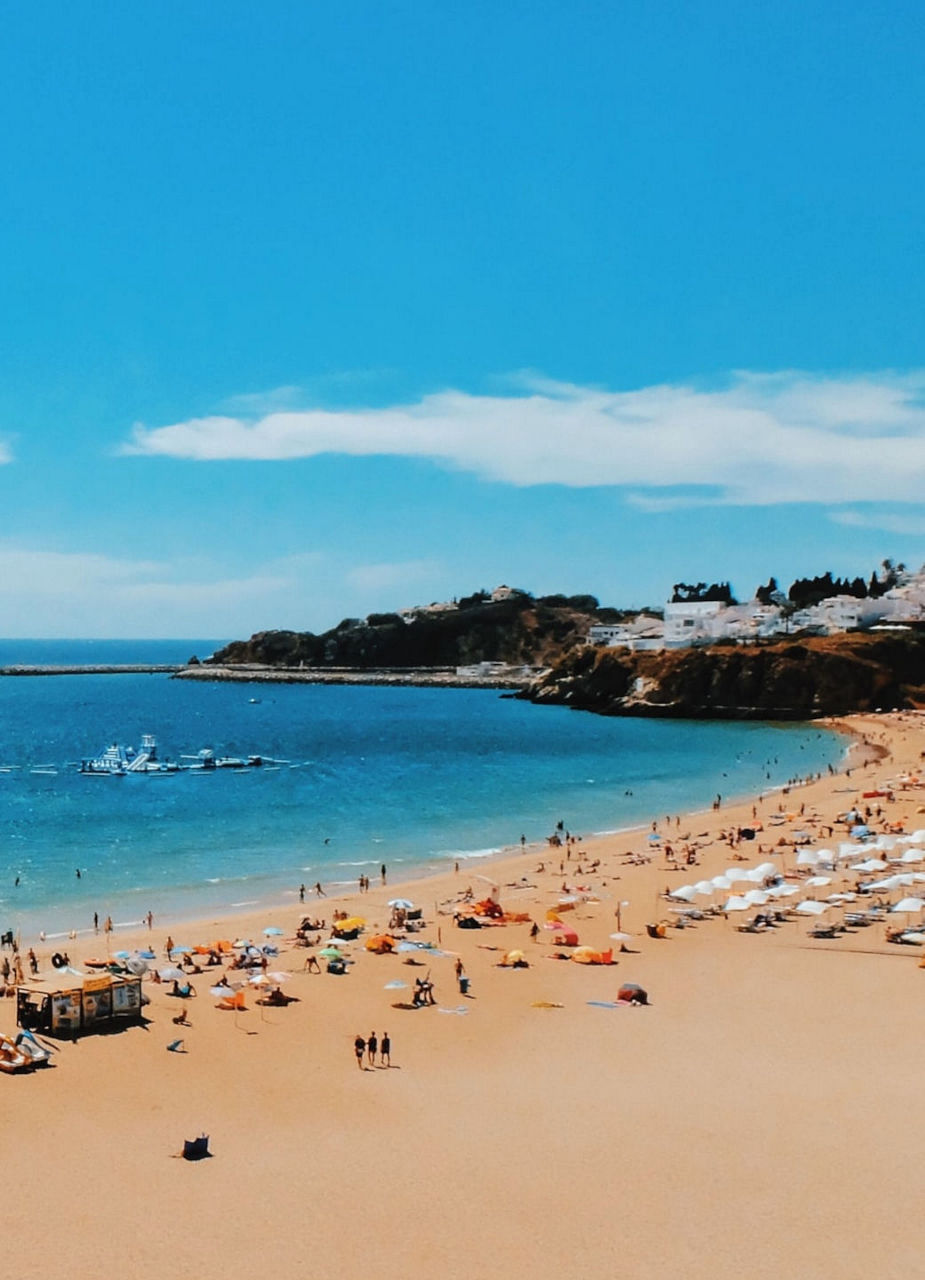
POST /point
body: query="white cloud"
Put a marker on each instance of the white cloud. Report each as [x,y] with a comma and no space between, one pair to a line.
[888,521]
[760,439]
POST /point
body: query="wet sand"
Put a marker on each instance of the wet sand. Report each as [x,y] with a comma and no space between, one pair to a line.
[761,1116]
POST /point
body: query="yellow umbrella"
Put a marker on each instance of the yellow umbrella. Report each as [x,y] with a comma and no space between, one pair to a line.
[348,925]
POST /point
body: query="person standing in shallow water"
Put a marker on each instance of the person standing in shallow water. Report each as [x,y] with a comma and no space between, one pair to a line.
[382,872]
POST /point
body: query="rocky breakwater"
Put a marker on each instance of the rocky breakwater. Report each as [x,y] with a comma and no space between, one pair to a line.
[796,679]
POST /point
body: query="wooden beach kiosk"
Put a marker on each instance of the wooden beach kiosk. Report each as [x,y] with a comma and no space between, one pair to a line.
[98,1003]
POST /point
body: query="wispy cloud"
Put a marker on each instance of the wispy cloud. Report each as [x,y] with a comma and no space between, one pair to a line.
[758,439]
[903,523]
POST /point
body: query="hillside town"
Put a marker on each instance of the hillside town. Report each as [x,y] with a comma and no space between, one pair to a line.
[686,623]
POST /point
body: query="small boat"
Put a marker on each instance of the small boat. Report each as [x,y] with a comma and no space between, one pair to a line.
[111,763]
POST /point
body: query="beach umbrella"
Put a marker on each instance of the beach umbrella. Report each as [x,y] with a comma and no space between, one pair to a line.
[172,974]
[136,965]
[721,882]
[122,955]
[271,931]
[757,897]
[869,864]
[147,954]
[735,874]
[684,892]
[783,890]
[621,937]
[402,903]
[911,855]
[809,907]
[705,888]
[259,980]
[909,904]
[221,990]
[816,882]
[351,923]
[860,832]
[183,951]
[279,977]
[331,953]
[737,903]
[653,837]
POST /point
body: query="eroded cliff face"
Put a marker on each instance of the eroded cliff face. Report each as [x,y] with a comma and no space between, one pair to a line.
[797,679]
[518,631]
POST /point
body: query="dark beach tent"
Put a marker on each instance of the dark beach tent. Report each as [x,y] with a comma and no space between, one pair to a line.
[633,993]
[196,1148]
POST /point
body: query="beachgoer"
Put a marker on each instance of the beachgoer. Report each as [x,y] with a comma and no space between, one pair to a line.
[150,919]
[385,1050]
[382,872]
[96,922]
[319,891]
[372,1047]
[534,931]
[301,892]
[312,965]
[77,873]
[107,927]
[359,1048]
[33,962]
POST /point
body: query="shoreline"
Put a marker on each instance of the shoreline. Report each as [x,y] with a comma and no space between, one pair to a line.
[29,924]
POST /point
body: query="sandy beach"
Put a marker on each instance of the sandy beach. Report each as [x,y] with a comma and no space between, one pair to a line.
[760,1116]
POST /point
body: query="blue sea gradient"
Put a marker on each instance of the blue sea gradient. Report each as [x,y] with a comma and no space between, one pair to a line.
[356,777]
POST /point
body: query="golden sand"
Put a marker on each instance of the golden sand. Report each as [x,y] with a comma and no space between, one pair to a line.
[762,1117]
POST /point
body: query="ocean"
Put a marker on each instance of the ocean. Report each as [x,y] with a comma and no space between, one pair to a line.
[354,778]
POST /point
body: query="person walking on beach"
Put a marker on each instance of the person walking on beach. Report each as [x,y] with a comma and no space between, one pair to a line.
[359,1048]
[385,1050]
[96,922]
[168,946]
[372,1047]
[301,892]
[319,891]
[150,919]
[382,872]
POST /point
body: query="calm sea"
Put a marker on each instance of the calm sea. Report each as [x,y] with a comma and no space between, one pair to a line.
[357,777]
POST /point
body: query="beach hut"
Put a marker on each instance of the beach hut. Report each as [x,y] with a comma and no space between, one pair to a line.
[99,1003]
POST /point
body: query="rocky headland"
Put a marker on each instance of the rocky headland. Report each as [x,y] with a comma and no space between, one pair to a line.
[796,679]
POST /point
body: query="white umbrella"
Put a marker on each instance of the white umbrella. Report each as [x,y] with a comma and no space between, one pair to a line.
[705,887]
[685,892]
[816,882]
[909,904]
[869,864]
[737,903]
[734,874]
[721,882]
[783,890]
[757,897]
[811,908]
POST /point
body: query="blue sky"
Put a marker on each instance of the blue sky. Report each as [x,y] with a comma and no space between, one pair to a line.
[314,310]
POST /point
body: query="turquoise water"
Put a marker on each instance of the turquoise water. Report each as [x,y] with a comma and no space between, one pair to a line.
[408,777]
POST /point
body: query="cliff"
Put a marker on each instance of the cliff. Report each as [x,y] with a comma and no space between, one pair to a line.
[795,679]
[520,631]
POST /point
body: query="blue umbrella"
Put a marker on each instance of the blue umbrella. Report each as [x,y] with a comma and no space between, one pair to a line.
[147,954]
[272,932]
[183,950]
[860,831]
[122,955]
